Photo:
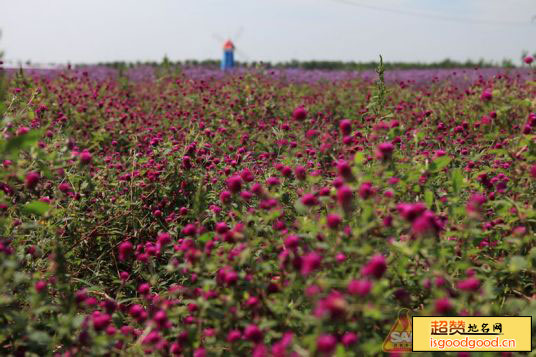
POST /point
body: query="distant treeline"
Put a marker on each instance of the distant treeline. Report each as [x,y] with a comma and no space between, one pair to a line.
[323,65]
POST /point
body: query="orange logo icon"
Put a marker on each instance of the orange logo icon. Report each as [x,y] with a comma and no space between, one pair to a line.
[400,336]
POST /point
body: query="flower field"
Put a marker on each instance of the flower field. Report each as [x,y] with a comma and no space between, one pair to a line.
[262,214]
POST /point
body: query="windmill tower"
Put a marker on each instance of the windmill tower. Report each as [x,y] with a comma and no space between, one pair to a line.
[229,50]
[227,61]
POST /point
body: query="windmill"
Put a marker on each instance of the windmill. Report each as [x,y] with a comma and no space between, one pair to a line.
[229,50]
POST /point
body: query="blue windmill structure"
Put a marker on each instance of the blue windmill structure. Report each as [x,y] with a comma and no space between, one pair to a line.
[227,61]
[229,50]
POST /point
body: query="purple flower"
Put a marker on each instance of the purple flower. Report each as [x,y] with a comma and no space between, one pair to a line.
[346,127]
[125,249]
[486,95]
[234,184]
[31,179]
[85,157]
[299,114]
[443,305]
[349,338]
[326,343]
[164,238]
[375,267]
[310,262]
[384,151]
[411,211]
[345,197]
[309,200]
[469,284]
[253,333]
[359,287]
[333,220]
[344,170]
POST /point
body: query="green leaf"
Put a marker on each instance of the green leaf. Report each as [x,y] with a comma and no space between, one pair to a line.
[39,337]
[429,198]
[341,352]
[14,145]
[84,185]
[517,263]
[37,207]
[440,163]
[206,237]
[359,157]
[457,179]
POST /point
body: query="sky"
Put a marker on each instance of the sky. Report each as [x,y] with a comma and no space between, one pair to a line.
[82,31]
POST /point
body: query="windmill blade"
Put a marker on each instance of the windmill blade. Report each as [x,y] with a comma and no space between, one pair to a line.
[218,38]
[242,55]
[239,33]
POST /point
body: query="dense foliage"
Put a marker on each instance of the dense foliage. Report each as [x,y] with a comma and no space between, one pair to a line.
[248,214]
[321,65]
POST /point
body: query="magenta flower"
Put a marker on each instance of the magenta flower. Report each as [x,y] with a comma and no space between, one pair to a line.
[349,338]
[486,95]
[124,276]
[64,187]
[333,305]
[234,335]
[22,130]
[359,287]
[186,162]
[164,238]
[273,181]
[161,320]
[246,195]
[200,352]
[101,321]
[333,220]
[144,288]
[40,286]
[326,343]
[443,305]
[384,151]
[426,223]
[299,114]
[375,267]
[366,190]
[292,241]
[85,157]
[344,170]
[310,262]
[411,211]
[345,197]
[31,179]
[234,184]
[474,204]
[279,349]
[346,127]
[247,175]
[189,230]
[253,333]
[300,173]
[175,349]
[225,197]
[309,200]
[125,249]
[221,227]
[469,284]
